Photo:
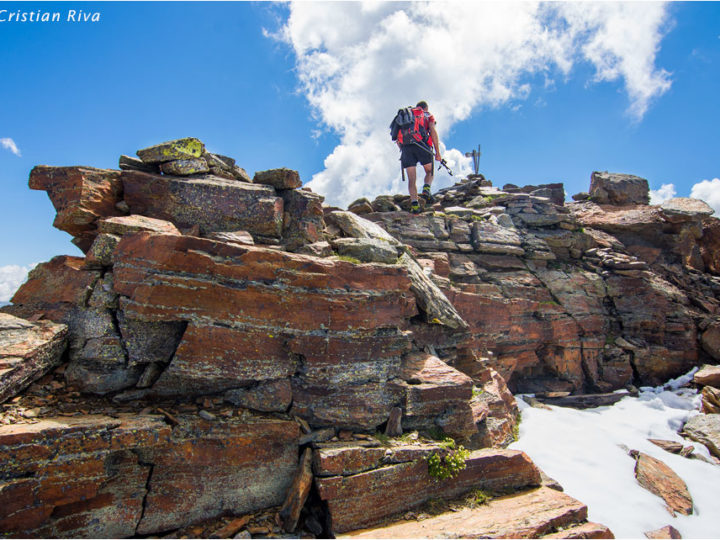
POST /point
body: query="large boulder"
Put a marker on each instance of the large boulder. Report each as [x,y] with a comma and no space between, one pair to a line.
[187,148]
[81,196]
[303,222]
[278,178]
[431,300]
[705,429]
[213,204]
[618,189]
[681,209]
[356,227]
[707,375]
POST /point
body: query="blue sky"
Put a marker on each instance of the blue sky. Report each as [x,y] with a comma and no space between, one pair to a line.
[551,92]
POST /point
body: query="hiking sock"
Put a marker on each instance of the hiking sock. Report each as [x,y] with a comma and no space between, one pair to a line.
[426,193]
[414,207]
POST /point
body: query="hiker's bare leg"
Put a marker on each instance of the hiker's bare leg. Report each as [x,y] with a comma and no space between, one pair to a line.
[411,173]
[428,173]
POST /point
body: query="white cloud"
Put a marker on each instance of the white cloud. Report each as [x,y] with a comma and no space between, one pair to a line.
[708,191]
[665,193]
[622,40]
[9,144]
[357,63]
[11,277]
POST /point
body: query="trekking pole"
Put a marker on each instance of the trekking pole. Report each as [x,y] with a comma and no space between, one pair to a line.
[444,164]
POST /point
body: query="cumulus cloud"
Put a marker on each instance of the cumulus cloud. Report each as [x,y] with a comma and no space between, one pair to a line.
[11,277]
[357,63]
[8,144]
[665,193]
[708,191]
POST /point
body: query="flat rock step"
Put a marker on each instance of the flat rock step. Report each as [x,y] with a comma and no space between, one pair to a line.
[584,401]
[356,500]
[530,514]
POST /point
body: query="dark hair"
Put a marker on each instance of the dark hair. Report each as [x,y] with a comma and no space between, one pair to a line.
[422,104]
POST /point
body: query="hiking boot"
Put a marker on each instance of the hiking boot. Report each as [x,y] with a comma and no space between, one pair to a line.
[427,195]
[414,207]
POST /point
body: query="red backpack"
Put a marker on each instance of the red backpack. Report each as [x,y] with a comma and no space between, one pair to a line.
[410,125]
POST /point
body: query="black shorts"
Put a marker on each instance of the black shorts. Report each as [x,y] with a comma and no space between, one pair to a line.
[412,153]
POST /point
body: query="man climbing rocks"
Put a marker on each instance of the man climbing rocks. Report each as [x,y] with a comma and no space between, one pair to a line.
[416,144]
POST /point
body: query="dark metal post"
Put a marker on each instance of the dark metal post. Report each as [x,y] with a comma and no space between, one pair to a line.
[475,154]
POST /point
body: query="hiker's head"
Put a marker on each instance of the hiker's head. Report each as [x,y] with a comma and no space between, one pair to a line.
[423,105]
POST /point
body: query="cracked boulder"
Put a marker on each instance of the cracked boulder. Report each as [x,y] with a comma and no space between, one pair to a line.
[618,189]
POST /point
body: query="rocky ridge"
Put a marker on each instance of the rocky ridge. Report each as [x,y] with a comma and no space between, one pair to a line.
[218,319]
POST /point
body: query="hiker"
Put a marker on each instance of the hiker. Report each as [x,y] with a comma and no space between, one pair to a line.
[416,144]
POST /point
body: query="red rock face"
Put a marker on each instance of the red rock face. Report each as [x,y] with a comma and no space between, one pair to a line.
[185,202]
[61,280]
[213,359]
[81,195]
[529,332]
[710,244]
[218,467]
[257,286]
[100,477]
[337,355]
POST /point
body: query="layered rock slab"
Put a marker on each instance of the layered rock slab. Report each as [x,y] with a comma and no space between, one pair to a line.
[705,429]
[244,325]
[658,478]
[200,279]
[186,202]
[366,498]
[81,196]
[97,476]
[27,351]
[529,515]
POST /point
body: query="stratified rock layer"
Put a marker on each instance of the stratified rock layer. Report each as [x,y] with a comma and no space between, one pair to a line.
[530,515]
[27,351]
[102,477]
[212,203]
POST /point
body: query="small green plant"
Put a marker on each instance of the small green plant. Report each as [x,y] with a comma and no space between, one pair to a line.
[436,433]
[477,392]
[477,498]
[516,427]
[449,464]
[382,438]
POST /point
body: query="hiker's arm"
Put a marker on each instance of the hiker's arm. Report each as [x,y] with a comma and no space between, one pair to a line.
[436,141]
